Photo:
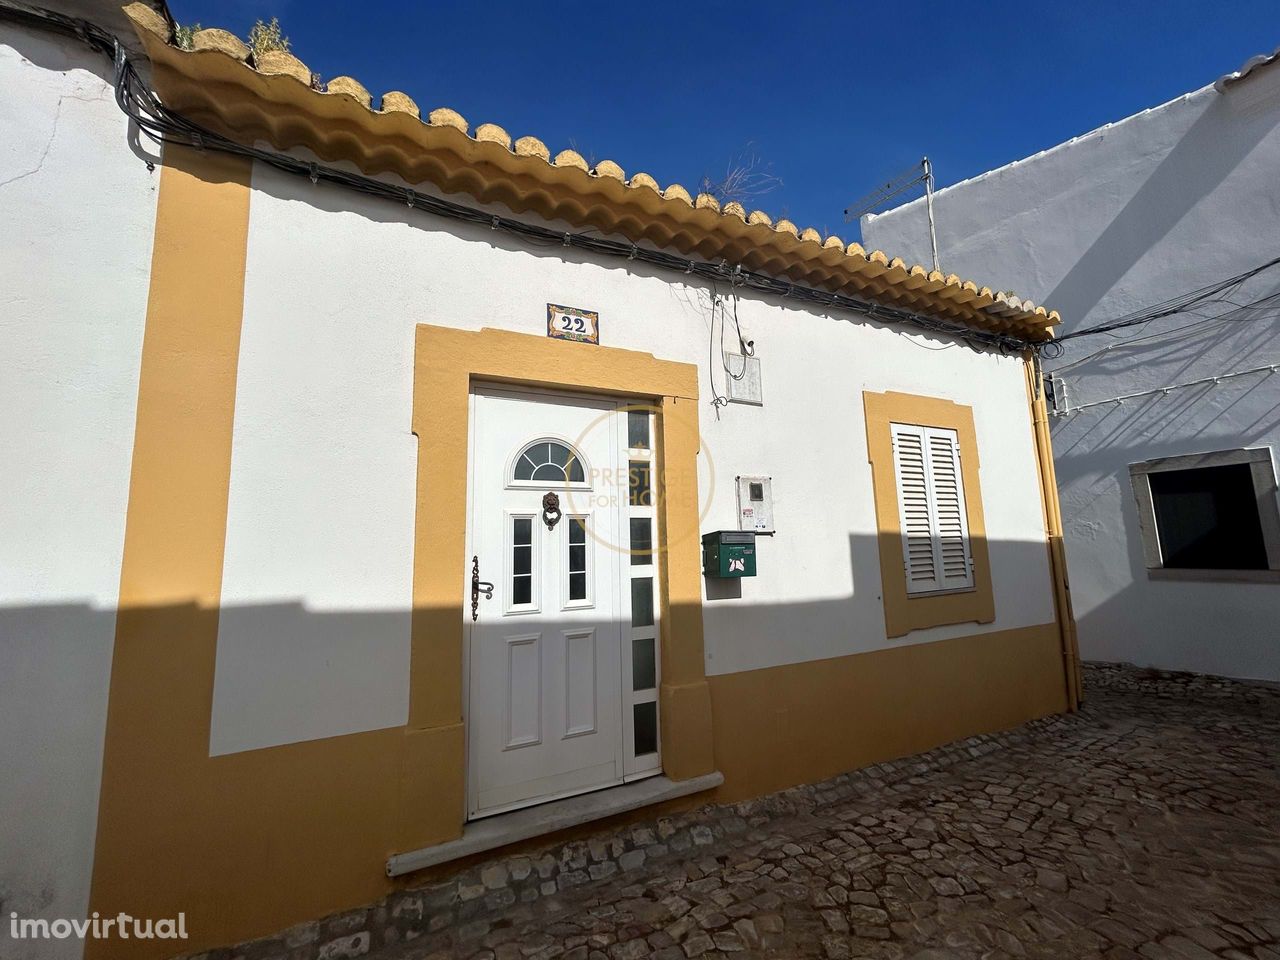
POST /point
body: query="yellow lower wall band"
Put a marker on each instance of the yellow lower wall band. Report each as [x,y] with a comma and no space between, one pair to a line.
[805,722]
[250,844]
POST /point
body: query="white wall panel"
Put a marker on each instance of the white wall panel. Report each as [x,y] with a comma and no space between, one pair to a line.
[313,640]
[321,506]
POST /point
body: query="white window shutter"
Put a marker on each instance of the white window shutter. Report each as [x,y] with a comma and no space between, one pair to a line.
[955,561]
[910,467]
[935,532]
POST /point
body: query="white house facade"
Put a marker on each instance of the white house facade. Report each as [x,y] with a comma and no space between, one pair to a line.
[346,510]
[1164,431]
[79,225]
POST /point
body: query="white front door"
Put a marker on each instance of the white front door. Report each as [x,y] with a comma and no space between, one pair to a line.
[545,707]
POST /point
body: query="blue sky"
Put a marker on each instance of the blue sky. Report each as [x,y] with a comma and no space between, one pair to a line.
[832,97]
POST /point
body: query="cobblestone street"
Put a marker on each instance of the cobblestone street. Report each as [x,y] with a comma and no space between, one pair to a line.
[1148,825]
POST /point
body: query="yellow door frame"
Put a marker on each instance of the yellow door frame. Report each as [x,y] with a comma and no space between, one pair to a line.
[447,362]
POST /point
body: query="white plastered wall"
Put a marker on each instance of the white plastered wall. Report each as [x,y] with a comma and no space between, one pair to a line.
[1123,218]
[314,635]
[78,209]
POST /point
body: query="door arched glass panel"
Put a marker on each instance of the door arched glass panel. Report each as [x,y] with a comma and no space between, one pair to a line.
[548,462]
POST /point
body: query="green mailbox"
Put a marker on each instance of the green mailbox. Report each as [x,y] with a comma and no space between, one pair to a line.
[729,553]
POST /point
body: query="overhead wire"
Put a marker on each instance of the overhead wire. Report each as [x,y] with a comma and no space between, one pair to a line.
[1202,324]
[1184,303]
[1175,305]
[720,304]
[1263,308]
[1165,390]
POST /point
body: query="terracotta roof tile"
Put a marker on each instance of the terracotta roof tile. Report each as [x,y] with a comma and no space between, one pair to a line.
[272,99]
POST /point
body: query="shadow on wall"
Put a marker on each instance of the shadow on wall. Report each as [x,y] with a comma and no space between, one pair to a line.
[250,842]
[1236,412]
[1211,626]
[1215,144]
[1103,441]
[1178,353]
[337,201]
[1093,451]
[58,55]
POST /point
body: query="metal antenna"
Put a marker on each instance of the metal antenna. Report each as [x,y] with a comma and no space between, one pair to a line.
[921,173]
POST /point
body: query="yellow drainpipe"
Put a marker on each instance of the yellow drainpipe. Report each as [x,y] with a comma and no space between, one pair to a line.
[1053,523]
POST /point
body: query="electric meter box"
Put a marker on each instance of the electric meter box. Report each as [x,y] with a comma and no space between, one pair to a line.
[755,504]
[729,553]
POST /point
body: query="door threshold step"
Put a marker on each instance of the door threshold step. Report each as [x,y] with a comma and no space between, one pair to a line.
[506,828]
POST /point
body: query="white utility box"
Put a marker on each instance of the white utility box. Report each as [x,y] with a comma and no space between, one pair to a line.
[742,374]
[755,504]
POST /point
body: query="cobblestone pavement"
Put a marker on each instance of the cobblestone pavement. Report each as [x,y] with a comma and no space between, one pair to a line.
[1148,825]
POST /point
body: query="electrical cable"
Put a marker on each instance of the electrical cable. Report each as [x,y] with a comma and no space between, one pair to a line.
[1169,307]
[745,346]
[1165,390]
[1219,291]
[1264,308]
[748,347]
[1200,325]
[718,400]
[165,126]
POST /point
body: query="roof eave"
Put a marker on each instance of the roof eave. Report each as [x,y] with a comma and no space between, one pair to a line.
[215,86]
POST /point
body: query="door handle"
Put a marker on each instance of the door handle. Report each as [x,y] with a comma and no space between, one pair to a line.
[478,587]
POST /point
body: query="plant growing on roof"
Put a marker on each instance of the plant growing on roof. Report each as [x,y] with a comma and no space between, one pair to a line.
[587,155]
[746,177]
[265,37]
[183,37]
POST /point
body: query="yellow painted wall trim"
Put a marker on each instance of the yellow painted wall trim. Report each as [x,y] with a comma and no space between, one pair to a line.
[248,843]
[1055,541]
[288,833]
[904,612]
[447,362]
[171,572]
[680,609]
[805,722]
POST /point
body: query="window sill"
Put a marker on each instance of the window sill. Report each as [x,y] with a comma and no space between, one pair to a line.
[491,833]
[1219,576]
[922,594]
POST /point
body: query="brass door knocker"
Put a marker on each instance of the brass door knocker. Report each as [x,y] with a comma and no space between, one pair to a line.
[551,510]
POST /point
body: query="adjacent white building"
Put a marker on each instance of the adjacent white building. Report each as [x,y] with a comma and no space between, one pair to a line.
[1165,431]
[78,209]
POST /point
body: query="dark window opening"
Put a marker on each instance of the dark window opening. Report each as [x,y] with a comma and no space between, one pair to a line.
[1207,519]
[638,429]
[641,540]
[638,476]
[645,717]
